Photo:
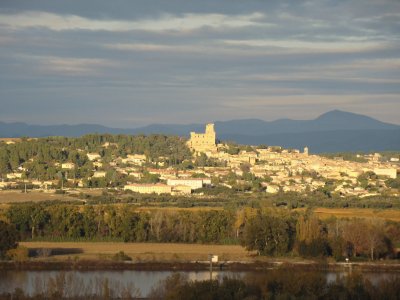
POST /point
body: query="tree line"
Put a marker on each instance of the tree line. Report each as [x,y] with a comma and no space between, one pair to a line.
[273,232]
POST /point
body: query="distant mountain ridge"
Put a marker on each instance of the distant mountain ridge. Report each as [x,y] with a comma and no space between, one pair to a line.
[330,132]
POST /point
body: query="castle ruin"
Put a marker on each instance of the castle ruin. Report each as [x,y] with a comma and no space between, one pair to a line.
[203,142]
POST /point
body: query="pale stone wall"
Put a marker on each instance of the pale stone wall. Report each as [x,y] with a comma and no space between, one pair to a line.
[203,142]
[93,156]
[182,189]
[149,188]
[99,174]
[14,175]
[193,183]
[390,172]
[68,166]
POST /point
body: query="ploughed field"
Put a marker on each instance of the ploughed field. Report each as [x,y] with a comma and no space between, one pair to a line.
[139,251]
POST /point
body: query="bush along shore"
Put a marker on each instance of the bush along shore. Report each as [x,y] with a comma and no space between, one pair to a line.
[268,232]
[257,266]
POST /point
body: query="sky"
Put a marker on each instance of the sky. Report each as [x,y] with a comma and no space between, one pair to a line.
[133,63]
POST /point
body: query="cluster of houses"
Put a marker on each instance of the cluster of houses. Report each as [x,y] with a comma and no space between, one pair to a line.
[277,169]
[173,186]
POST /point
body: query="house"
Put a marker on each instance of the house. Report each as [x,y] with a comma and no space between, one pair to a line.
[137,159]
[193,183]
[97,164]
[93,156]
[149,188]
[99,174]
[390,172]
[181,190]
[68,166]
[14,175]
[272,189]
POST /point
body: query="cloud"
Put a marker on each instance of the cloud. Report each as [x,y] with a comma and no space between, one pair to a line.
[74,66]
[294,45]
[166,22]
[66,65]
[183,61]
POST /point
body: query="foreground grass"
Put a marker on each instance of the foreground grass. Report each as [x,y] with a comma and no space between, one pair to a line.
[141,251]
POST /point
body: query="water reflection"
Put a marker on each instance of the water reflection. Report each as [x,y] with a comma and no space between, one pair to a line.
[138,283]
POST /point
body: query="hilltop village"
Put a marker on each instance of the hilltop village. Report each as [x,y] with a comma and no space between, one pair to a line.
[208,164]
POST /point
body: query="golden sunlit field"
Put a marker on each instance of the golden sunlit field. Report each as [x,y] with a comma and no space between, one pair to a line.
[172,209]
[16,196]
[387,214]
[142,251]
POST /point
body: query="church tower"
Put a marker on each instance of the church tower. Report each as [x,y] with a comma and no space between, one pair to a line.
[306,151]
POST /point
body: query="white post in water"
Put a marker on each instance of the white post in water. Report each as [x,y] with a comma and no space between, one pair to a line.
[212,258]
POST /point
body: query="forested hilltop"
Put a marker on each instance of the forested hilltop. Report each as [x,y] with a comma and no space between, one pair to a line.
[42,158]
[114,161]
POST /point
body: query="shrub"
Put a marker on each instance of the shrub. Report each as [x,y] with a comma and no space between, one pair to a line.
[121,256]
[18,254]
[8,238]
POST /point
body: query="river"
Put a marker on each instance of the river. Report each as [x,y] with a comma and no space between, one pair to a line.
[139,283]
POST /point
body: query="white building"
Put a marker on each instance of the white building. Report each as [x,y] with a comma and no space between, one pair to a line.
[193,183]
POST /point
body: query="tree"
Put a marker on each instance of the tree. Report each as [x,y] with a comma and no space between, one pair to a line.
[38,218]
[366,237]
[308,229]
[375,238]
[8,238]
[269,235]
[311,237]
[4,161]
[149,178]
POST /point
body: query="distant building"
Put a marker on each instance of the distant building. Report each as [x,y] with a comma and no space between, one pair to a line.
[149,188]
[14,175]
[182,190]
[93,156]
[68,166]
[272,189]
[389,172]
[138,159]
[193,183]
[97,164]
[203,142]
[99,174]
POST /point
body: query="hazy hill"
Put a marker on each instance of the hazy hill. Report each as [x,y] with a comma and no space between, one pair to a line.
[332,131]
[22,129]
[328,141]
[330,121]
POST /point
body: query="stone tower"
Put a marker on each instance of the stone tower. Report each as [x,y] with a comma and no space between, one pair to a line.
[203,142]
[306,151]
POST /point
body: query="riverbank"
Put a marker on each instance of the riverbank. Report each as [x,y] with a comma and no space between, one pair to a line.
[158,257]
[91,265]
